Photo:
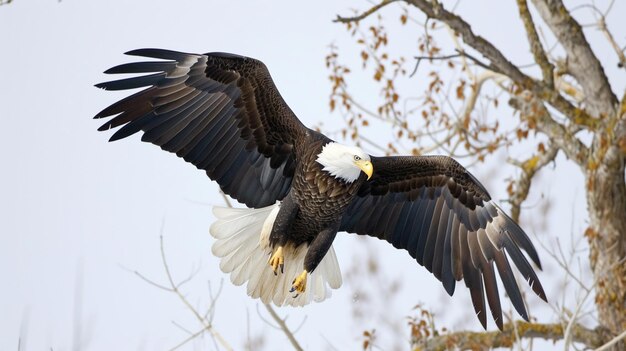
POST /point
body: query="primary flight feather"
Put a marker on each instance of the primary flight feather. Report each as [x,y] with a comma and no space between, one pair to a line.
[222,113]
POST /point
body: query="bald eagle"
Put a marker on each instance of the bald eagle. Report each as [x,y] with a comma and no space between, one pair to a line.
[222,113]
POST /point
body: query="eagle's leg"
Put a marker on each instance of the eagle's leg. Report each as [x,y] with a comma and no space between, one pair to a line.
[280,229]
[314,255]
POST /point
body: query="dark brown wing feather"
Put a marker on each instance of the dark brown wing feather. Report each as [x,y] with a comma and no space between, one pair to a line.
[436,210]
[220,112]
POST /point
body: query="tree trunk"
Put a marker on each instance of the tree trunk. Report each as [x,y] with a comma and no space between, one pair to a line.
[606,199]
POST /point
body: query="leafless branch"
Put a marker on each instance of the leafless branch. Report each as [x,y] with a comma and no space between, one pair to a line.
[501,64]
[188,339]
[180,326]
[582,62]
[284,328]
[430,58]
[612,342]
[563,263]
[609,36]
[174,287]
[529,168]
[539,53]
[531,107]
[568,335]
[435,10]
[152,282]
[459,53]
[364,14]
[490,67]
[479,81]
[211,310]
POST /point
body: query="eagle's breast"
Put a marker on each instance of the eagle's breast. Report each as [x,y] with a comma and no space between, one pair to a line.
[322,198]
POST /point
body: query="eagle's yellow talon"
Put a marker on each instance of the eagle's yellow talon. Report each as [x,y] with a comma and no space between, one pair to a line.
[277,260]
[299,284]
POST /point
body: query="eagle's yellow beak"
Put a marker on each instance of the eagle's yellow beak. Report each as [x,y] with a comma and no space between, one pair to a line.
[366,167]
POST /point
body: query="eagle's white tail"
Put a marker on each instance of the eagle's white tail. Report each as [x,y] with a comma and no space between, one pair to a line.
[242,243]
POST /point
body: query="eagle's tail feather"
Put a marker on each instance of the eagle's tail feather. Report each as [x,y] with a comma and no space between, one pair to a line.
[242,243]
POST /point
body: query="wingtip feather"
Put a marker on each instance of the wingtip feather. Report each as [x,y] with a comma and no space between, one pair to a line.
[140,52]
[112,70]
[535,285]
[158,53]
[449,285]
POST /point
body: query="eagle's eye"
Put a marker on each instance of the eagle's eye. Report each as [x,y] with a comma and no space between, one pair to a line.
[357,158]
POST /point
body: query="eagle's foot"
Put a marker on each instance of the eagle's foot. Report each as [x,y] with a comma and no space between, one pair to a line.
[277,260]
[299,284]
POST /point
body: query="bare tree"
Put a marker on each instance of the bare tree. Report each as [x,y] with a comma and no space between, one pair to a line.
[562,103]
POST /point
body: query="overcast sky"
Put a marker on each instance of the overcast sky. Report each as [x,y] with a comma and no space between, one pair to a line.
[79,214]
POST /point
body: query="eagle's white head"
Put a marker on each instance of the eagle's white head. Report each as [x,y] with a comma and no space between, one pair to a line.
[345,162]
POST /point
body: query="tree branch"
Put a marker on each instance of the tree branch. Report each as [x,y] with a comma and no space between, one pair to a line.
[529,168]
[547,69]
[284,327]
[511,334]
[499,63]
[533,109]
[582,63]
[609,36]
[364,14]
[613,342]
[459,53]
[434,9]
[208,326]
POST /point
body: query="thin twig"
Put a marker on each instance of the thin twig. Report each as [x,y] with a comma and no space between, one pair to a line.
[179,326]
[430,58]
[567,335]
[609,36]
[613,341]
[364,14]
[211,310]
[151,282]
[529,168]
[174,288]
[189,338]
[226,199]
[266,321]
[500,63]
[284,327]
[490,67]
[301,325]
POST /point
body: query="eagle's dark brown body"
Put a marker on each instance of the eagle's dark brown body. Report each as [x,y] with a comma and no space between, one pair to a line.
[321,198]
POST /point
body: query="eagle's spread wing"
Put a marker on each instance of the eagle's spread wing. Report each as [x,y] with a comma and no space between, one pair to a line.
[221,112]
[436,210]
